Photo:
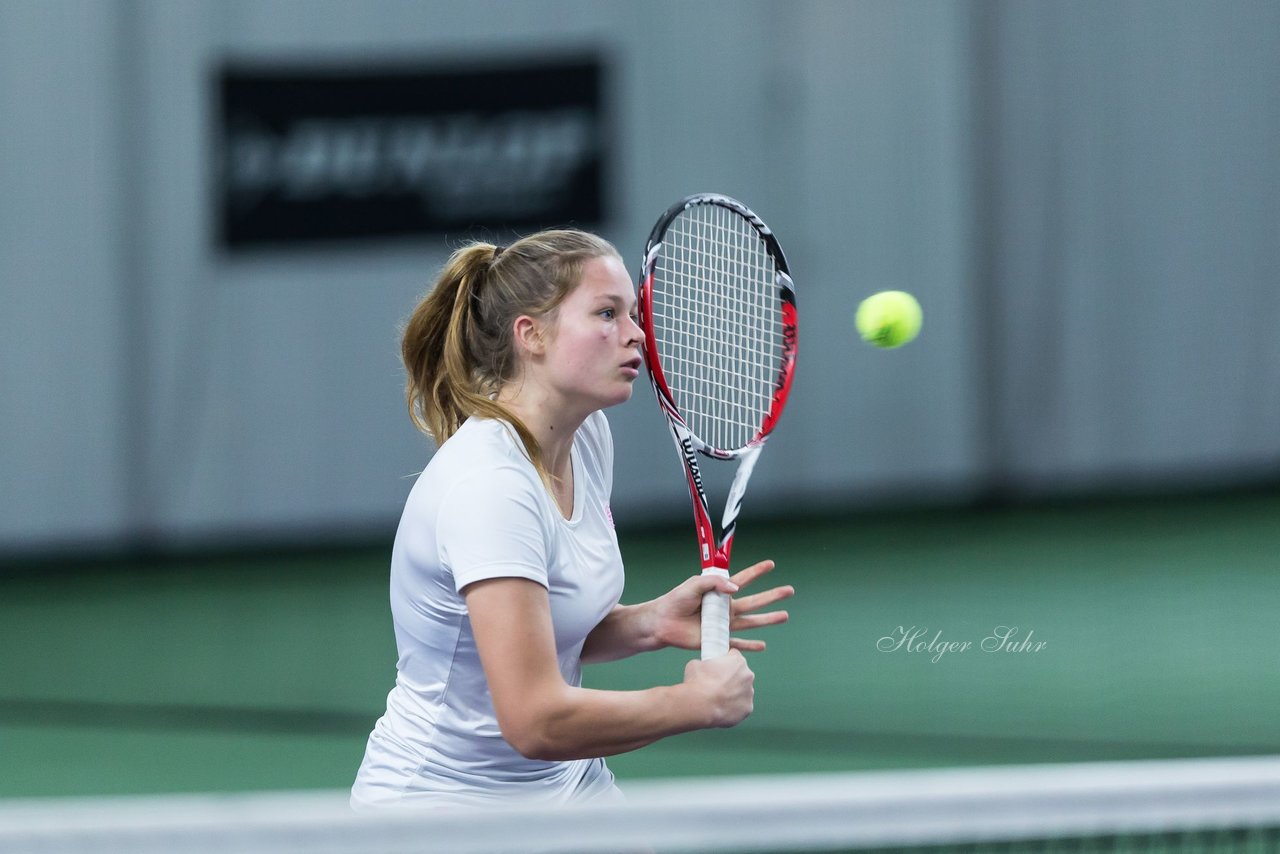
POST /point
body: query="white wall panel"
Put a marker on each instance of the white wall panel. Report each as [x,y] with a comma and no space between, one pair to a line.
[1139,242]
[63,257]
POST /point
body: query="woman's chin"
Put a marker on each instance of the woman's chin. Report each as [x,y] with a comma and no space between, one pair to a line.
[622,396]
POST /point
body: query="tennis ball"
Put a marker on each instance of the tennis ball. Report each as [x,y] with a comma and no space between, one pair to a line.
[888,319]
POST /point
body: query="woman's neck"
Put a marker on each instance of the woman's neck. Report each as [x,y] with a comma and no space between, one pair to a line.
[551,427]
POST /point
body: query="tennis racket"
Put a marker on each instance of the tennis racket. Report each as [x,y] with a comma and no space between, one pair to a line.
[718,310]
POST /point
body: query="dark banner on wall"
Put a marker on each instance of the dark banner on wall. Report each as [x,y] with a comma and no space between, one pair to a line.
[312,154]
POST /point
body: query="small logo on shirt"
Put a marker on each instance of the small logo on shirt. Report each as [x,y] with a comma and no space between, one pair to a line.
[608,514]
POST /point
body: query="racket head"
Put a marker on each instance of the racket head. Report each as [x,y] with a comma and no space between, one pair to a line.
[718,309]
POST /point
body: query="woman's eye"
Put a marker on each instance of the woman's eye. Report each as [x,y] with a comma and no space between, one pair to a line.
[608,314]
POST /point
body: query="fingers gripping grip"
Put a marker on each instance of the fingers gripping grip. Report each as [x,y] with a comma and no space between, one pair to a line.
[715,619]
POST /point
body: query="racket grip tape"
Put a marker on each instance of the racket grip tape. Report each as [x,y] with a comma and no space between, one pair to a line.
[715,621]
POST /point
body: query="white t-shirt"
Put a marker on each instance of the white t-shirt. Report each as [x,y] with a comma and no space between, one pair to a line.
[478,511]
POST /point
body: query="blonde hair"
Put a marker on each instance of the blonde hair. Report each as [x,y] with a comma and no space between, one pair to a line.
[458,348]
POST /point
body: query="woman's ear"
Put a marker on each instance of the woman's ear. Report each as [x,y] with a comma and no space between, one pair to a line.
[529,335]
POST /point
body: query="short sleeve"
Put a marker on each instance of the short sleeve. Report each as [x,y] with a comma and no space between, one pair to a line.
[492,524]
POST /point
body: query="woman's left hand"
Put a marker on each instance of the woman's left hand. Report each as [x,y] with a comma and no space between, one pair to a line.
[677,616]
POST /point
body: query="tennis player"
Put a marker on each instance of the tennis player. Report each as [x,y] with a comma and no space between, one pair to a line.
[505,574]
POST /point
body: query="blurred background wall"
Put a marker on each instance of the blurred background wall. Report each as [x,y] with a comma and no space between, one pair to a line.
[1083,196]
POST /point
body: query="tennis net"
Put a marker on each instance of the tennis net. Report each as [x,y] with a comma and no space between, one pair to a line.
[1149,807]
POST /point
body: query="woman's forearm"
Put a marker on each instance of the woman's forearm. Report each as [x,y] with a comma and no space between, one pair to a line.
[624,632]
[583,723]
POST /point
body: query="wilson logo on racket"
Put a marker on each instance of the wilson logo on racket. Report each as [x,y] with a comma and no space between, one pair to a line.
[686,445]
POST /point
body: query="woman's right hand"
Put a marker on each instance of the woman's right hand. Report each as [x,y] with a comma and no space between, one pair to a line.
[724,687]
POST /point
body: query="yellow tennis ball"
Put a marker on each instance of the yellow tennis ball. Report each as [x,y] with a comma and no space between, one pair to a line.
[889,318]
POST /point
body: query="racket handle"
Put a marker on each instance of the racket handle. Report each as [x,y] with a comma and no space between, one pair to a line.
[715,620]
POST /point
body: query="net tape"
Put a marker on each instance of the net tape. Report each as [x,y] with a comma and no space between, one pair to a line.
[1222,803]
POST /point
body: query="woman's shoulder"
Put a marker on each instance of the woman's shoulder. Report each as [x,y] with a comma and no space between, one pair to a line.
[482,442]
[482,450]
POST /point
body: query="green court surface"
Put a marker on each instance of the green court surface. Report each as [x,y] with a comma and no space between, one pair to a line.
[1149,626]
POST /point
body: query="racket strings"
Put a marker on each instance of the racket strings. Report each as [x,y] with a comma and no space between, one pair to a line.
[718,324]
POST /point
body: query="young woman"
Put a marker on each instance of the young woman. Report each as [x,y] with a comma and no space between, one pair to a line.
[506,574]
